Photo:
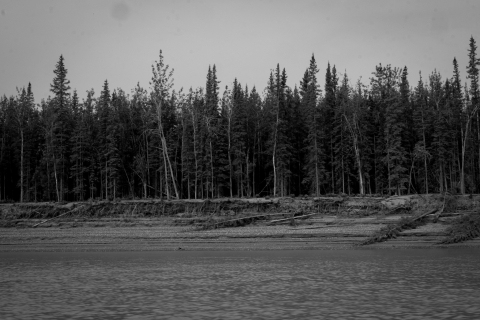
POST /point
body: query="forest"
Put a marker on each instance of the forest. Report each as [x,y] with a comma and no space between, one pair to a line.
[388,137]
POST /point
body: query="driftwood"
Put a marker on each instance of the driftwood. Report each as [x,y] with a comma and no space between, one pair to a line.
[70,211]
[235,222]
[292,218]
[244,220]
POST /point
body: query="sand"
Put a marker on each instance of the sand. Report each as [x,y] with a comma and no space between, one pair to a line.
[153,234]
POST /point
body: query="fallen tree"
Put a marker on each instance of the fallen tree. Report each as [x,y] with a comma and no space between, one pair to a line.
[394,229]
[466,227]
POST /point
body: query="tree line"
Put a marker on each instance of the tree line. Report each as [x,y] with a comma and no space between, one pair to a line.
[385,138]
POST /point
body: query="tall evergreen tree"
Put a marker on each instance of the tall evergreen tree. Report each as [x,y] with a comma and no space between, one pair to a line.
[474,91]
[329,122]
[60,128]
[457,110]
[315,161]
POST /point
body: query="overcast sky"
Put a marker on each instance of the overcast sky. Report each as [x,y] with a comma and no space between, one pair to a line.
[120,40]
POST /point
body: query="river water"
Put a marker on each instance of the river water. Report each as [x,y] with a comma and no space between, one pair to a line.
[341,284]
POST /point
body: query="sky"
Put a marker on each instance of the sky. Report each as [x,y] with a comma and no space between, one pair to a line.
[119,41]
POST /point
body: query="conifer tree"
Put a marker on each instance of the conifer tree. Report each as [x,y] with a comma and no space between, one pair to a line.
[112,150]
[441,130]
[342,144]
[23,111]
[141,140]
[388,85]
[211,119]
[60,127]
[457,110]
[298,135]
[314,164]
[422,115]
[104,113]
[82,147]
[255,111]
[226,129]
[356,125]
[3,140]
[474,92]
[238,137]
[329,118]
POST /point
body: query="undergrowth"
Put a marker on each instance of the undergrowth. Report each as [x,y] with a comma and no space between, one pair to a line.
[464,228]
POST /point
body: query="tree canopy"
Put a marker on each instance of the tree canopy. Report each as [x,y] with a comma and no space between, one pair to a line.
[383,138]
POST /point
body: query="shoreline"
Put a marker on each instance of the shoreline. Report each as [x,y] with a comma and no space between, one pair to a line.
[323,223]
[325,233]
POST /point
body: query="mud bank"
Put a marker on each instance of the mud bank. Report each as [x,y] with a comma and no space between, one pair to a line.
[231,224]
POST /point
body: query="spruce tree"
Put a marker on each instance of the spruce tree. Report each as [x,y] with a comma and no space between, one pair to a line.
[387,86]
[23,111]
[343,160]
[315,157]
[104,113]
[457,110]
[441,130]
[422,115]
[473,75]
[60,128]
[329,120]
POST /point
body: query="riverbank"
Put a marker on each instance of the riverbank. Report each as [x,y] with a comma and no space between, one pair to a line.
[230,224]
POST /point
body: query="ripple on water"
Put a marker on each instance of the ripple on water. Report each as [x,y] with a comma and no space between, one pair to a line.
[363,284]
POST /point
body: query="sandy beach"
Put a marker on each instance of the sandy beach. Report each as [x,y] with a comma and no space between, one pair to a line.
[152,234]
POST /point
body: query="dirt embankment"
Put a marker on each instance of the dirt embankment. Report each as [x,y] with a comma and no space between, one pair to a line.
[261,223]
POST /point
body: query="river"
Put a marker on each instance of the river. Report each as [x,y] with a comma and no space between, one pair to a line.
[337,284]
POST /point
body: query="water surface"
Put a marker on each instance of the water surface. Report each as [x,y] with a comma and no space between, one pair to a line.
[343,284]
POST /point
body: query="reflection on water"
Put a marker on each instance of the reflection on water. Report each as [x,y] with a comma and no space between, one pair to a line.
[377,284]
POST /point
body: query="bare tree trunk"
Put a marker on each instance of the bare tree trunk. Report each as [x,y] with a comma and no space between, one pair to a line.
[388,172]
[425,160]
[317,174]
[357,153]
[462,164]
[171,170]
[247,175]
[56,178]
[275,152]
[253,169]
[106,180]
[21,165]
[332,166]
[230,153]
[343,164]
[375,164]
[62,179]
[410,175]
[167,190]
[165,152]
[464,145]
[478,141]
[211,166]
[317,187]
[183,152]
